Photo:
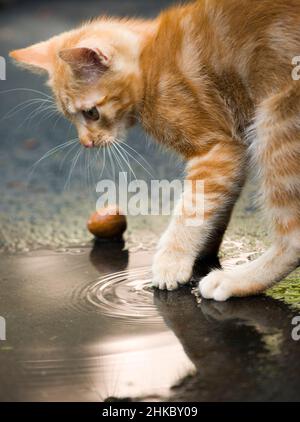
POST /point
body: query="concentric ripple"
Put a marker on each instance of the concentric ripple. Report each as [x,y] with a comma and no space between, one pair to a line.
[125,295]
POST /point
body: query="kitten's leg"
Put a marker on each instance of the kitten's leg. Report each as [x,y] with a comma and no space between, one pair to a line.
[221,167]
[277,152]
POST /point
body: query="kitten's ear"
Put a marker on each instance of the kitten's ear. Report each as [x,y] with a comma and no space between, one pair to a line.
[87,64]
[40,56]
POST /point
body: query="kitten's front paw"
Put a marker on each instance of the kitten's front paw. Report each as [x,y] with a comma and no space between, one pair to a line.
[170,270]
[218,285]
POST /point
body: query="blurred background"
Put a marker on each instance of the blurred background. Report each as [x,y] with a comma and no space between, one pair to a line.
[46,203]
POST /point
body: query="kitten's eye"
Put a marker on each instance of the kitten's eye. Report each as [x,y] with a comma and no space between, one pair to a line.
[92,114]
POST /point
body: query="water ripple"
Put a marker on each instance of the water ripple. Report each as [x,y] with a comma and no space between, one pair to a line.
[126,295]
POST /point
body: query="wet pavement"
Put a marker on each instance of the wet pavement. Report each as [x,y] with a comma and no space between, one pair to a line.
[84,325]
[82,322]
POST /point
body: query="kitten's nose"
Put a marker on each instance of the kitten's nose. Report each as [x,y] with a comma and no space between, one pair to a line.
[87,143]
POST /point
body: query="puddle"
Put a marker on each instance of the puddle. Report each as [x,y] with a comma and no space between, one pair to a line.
[125,295]
[85,325]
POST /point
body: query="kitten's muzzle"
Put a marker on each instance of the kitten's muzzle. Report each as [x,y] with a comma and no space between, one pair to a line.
[87,143]
[96,143]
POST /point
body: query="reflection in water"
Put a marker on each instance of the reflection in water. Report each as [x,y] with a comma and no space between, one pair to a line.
[87,326]
[242,348]
[93,332]
[112,255]
[143,366]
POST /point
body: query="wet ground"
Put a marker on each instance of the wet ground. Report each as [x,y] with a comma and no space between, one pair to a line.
[82,322]
[84,325]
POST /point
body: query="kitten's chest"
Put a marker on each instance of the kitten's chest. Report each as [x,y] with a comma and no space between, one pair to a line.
[161,123]
[173,113]
[158,125]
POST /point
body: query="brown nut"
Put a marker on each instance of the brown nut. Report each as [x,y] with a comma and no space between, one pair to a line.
[107,223]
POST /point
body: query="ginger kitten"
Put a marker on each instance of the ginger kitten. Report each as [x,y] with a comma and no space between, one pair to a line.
[212,81]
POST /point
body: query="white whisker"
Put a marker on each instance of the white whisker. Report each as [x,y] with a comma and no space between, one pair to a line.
[103,162]
[36,91]
[67,154]
[125,159]
[137,161]
[73,165]
[111,163]
[23,106]
[116,156]
[136,152]
[48,154]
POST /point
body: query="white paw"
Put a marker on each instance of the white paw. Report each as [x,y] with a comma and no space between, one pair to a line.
[171,270]
[218,285]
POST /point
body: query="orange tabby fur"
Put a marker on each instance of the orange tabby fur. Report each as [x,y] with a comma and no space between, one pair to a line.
[198,77]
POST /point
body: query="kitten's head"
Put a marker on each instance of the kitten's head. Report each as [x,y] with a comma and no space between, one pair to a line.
[95,77]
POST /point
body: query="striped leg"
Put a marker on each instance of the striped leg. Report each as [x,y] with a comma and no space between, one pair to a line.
[277,153]
[221,168]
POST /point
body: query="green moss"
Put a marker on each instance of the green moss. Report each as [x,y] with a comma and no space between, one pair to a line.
[288,290]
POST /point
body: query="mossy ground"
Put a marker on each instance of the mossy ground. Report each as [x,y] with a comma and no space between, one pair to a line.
[288,290]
